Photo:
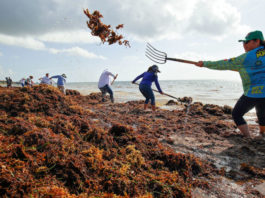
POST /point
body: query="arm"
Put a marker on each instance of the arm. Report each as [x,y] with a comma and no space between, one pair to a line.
[234,64]
[54,77]
[138,77]
[157,85]
[111,74]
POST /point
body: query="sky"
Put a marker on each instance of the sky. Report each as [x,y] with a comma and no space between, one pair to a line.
[51,36]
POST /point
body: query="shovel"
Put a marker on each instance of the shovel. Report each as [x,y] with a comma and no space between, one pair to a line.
[161,57]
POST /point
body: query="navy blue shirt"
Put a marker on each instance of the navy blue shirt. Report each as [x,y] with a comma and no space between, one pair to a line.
[148,79]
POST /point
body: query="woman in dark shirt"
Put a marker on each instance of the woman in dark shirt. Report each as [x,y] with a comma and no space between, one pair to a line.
[145,86]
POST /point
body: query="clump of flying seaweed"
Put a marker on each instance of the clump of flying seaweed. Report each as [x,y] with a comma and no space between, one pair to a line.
[104,32]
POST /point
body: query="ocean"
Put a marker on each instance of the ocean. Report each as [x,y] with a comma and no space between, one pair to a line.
[219,92]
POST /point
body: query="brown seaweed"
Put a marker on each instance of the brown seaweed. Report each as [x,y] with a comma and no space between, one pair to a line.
[55,145]
[104,32]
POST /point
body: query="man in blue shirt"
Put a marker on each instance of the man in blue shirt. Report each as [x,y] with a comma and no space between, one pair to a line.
[60,81]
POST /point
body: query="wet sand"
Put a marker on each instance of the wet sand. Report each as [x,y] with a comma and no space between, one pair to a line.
[76,146]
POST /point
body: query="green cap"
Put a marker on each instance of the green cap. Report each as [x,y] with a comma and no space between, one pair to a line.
[253,35]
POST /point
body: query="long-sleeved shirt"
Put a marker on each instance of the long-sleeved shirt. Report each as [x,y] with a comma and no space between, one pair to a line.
[60,80]
[251,67]
[45,80]
[104,78]
[148,79]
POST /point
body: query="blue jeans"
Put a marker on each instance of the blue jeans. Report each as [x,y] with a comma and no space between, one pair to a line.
[147,93]
[104,90]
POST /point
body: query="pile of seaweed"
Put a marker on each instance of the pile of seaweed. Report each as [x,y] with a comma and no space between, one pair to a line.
[55,145]
[50,146]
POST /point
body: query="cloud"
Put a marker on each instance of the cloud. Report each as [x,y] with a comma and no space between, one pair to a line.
[34,44]
[76,51]
[80,36]
[153,19]
[170,19]
[37,17]
[26,42]
[215,18]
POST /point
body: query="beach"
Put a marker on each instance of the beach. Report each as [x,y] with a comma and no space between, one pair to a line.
[217,92]
[76,146]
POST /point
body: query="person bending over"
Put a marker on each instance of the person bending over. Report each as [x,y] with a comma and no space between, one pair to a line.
[145,86]
[60,82]
[104,84]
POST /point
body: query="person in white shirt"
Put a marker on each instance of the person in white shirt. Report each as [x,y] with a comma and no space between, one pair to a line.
[104,84]
[46,80]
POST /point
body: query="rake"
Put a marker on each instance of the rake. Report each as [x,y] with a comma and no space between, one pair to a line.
[161,57]
[163,93]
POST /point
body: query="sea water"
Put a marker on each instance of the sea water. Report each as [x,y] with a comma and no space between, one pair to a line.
[219,92]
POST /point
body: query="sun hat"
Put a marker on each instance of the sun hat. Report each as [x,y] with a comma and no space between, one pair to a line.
[155,68]
[253,35]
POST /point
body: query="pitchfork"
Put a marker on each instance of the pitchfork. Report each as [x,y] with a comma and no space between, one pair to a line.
[161,57]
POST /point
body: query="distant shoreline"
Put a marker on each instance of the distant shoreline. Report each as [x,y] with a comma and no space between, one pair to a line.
[3,83]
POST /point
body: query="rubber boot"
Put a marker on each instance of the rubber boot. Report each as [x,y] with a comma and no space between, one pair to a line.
[153,108]
[244,130]
[145,106]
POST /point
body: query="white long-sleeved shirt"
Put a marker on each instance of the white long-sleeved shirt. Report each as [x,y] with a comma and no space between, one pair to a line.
[46,80]
[105,78]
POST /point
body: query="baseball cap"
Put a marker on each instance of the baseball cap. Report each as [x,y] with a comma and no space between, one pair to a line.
[253,35]
[155,68]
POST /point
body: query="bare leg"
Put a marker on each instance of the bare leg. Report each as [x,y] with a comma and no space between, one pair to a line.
[244,130]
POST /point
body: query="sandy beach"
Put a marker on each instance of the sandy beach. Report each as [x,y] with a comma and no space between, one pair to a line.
[75,146]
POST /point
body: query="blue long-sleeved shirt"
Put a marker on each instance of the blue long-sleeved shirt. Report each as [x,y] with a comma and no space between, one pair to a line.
[60,80]
[148,79]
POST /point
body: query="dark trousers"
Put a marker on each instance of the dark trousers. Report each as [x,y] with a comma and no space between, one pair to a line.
[147,92]
[104,90]
[244,105]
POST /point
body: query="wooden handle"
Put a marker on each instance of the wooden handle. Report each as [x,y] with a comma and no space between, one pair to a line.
[181,60]
[114,79]
[163,93]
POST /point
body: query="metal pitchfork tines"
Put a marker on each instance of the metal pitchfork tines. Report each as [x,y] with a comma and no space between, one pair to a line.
[161,57]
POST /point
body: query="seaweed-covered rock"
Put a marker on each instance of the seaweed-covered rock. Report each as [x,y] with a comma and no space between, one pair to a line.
[72,92]
[171,102]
